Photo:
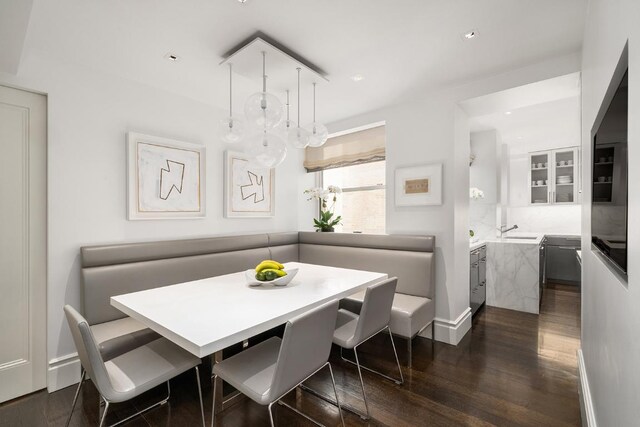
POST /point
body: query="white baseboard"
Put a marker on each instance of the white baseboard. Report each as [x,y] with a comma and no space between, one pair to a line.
[586,404]
[63,371]
[451,331]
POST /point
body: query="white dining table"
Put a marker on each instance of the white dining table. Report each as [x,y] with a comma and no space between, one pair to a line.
[205,316]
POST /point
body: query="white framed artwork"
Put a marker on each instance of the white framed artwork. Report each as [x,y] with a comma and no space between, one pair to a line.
[249,189]
[419,185]
[166,178]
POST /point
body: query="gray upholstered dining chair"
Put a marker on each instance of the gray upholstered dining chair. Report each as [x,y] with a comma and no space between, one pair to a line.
[353,329]
[130,374]
[270,370]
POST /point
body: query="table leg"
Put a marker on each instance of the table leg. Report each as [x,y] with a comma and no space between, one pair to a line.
[223,402]
[215,358]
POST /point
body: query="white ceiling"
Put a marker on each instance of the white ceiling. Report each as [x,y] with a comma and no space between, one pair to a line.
[542,115]
[400,47]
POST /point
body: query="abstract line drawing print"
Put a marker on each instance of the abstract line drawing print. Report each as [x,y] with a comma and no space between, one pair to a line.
[249,188]
[171,178]
[166,178]
[255,188]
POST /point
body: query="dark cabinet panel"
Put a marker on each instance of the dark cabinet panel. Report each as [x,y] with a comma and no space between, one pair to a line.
[477,279]
[561,263]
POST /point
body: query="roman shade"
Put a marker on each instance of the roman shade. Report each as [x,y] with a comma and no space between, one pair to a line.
[363,146]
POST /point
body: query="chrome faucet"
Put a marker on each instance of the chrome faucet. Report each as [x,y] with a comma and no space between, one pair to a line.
[502,229]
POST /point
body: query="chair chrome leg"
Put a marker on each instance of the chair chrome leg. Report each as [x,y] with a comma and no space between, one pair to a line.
[148,408]
[335,391]
[409,355]
[271,414]
[104,414]
[75,398]
[200,395]
[395,353]
[364,394]
[214,378]
[303,415]
[395,380]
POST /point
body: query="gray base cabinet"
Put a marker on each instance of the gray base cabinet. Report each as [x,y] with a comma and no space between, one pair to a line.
[561,264]
[478,279]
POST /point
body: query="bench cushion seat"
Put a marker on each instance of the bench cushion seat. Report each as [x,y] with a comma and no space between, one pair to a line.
[121,336]
[409,314]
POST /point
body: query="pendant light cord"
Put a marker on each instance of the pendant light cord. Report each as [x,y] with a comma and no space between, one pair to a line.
[298,96]
[314,103]
[230,90]
[288,120]
[264,72]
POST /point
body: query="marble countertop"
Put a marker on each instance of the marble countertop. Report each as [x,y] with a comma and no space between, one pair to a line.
[513,237]
[473,245]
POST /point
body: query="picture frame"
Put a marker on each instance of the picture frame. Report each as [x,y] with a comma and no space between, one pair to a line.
[249,189]
[165,178]
[419,185]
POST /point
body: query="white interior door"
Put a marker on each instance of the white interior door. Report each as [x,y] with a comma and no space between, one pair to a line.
[23,215]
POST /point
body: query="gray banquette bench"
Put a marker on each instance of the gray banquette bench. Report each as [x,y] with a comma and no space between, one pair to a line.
[122,268]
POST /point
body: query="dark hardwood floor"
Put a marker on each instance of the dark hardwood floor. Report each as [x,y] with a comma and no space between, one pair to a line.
[512,369]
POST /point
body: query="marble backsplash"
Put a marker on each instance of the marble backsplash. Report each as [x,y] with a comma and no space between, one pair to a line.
[546,219]
[482,220]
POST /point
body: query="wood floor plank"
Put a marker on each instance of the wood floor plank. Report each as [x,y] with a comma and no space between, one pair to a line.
[512,369]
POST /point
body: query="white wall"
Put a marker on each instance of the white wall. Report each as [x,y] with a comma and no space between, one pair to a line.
[433,129]
[610,307]
[484,174]
[88,117]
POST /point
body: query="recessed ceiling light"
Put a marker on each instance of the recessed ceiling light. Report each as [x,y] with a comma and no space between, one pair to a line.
[357,77]
[171,57]
[521,137]
[508,113]
[242,1]
[470,34]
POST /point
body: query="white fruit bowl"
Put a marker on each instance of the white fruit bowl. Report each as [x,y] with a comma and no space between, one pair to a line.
[250,275]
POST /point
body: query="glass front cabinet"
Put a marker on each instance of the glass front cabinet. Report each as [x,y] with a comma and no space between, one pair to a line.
[553,176]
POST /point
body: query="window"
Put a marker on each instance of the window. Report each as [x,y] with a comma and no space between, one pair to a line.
[362,202]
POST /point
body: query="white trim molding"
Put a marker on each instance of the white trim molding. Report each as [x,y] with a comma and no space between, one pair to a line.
[586,404]
[63,371]
[450,331]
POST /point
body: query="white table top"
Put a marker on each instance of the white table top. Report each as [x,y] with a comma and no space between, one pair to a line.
[208,315]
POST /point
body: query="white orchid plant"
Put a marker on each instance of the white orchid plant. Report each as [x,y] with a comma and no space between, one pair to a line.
[476,193]
[326,222]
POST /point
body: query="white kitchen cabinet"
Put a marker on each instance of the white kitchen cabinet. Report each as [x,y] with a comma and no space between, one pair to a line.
[553,176]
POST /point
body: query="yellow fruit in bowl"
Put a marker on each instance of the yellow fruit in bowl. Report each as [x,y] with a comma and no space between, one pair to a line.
[269,264]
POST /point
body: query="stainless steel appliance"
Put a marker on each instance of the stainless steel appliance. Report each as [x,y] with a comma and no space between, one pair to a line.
[478,279]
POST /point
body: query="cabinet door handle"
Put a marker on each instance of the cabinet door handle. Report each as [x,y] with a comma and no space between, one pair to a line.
[567,248]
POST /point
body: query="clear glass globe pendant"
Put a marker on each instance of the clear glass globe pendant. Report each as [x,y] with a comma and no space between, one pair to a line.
[266,149]
[262,109]
[231,129]
[318,133]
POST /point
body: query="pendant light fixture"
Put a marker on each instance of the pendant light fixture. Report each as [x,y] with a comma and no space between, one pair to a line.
[318,131]
[263,109]
[266,148]
[231,129]
[297,136]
